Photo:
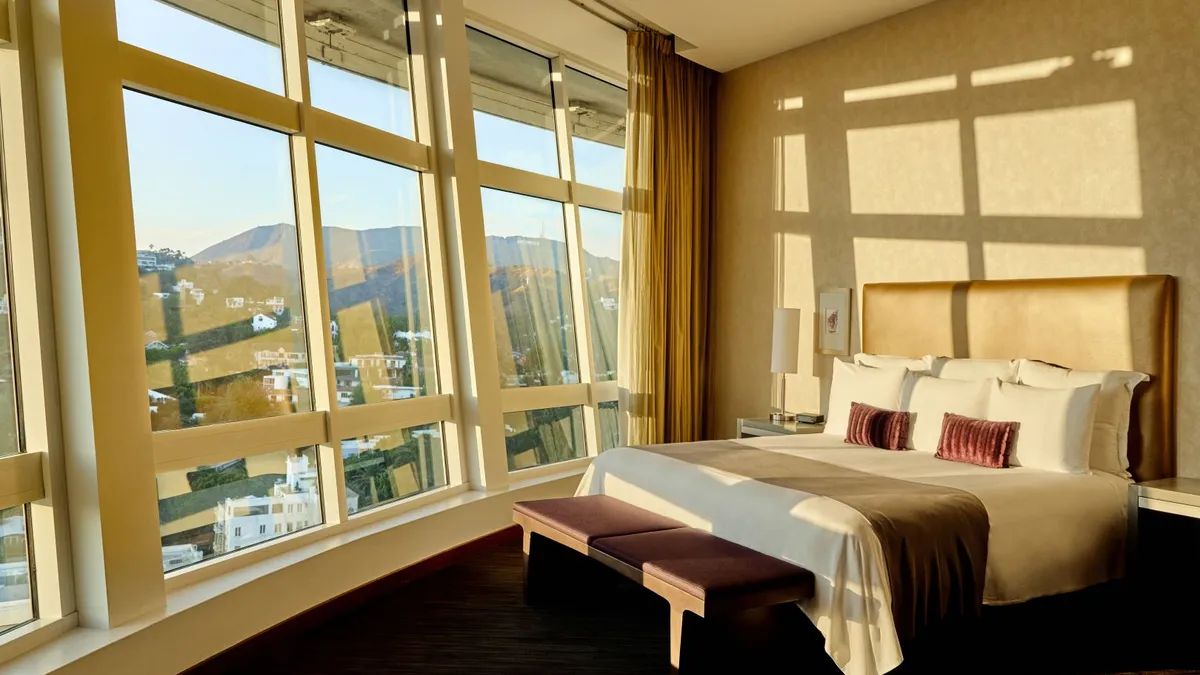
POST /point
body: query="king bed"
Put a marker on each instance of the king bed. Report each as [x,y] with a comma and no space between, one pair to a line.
[900,540]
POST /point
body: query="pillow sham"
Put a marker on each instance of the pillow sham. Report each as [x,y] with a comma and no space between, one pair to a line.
[1110,430]
[919,364]
[974,441]
[930,398]
[977,369]
[879,387]
[876,427]
[1055,425]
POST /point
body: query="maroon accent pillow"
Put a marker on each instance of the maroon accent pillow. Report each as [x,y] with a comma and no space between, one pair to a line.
[973,441]
[876,427]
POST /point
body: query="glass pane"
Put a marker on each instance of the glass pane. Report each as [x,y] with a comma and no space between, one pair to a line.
[383,468]
[238,40]
[531,290]
[514,106]
[378,289]
[213,510]
[597,119]
[548,436]
[358,61]
[16,593]
[10,434]
[601,235]
[610,426]
[220,280]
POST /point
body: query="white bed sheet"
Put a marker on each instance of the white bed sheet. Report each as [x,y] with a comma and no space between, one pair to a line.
[1050,532]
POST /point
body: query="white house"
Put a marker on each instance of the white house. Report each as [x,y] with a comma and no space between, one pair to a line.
[282,383]
[180,555]
[183,285]
[276,304]
[197,295]
[162,295]
[235,302]
[159,397]
[413,335]
[293,505]
[157,344]
[263,322]
[609,304]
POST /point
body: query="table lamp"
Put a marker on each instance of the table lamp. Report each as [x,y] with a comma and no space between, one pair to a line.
[785,357]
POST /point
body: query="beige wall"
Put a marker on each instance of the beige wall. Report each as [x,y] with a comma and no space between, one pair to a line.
[1052,138]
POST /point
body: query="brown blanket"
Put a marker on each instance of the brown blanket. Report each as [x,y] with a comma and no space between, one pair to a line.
[934,539]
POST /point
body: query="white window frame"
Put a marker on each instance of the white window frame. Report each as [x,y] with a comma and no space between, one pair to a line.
[83,399]
[572,195]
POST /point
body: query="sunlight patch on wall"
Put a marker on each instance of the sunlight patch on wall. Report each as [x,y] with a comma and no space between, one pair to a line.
[1004,260]
[901,89]
[791,174]
[795,287]
[1020,72]
[1071,162]
[1117,57]
[911,169]
[790,103]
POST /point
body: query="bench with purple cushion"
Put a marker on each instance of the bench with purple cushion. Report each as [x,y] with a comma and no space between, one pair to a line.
[693,570]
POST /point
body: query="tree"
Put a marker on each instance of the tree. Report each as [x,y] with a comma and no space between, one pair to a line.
[358,396]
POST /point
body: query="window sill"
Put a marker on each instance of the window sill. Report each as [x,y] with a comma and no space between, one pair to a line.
[248,592]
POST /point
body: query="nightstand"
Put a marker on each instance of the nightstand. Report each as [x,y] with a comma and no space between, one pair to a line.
[752,427]
[1164,550]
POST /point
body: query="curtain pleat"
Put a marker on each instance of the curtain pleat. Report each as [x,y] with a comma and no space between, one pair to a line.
[663,345]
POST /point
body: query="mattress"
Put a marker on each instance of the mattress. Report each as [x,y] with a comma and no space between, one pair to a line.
[1050,533]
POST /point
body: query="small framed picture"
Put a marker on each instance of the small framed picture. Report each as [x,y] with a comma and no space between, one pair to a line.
[833,322]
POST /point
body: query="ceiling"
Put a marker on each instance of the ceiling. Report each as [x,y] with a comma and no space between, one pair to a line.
[728,34]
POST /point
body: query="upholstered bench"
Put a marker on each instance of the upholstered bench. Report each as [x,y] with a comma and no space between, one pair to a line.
[693,571]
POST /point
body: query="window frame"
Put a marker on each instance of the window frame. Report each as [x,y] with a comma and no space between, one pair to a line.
[572,195]
[306,125]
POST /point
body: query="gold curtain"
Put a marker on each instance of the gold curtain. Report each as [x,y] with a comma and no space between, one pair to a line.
[663,341]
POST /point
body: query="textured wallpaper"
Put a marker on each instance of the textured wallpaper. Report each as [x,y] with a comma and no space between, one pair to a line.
[963,139]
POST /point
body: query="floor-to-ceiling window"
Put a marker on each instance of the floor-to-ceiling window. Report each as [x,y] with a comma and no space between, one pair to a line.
[551,142]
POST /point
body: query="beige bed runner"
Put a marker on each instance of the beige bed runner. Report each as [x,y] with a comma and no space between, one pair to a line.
[934,539]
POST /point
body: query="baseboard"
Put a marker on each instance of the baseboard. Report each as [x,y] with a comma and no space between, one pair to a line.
[283,634]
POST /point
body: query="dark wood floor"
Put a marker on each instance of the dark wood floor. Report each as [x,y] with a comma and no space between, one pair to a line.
[471,618]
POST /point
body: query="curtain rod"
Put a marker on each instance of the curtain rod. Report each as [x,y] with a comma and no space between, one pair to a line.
[626,21]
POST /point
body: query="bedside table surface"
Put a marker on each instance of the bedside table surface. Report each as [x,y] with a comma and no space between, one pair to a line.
[782,428]
[1177,490]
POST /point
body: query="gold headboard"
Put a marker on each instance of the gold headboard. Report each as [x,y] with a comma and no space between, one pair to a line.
[1097,323]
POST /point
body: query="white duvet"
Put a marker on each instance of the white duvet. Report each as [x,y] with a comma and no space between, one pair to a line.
[1050,532]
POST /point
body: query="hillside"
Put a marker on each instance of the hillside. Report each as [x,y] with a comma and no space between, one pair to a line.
[379,247]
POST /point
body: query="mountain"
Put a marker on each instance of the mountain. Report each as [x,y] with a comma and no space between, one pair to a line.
[379,247]
[273,244]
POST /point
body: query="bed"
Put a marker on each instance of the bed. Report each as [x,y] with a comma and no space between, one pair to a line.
[1050,533]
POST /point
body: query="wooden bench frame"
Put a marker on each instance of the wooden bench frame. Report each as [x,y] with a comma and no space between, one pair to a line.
[680,601]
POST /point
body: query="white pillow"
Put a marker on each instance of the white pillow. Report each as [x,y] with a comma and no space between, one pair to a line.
[1055,425]
[921,364]
[977,369]
[879,387]
[1110,431]
[930,398]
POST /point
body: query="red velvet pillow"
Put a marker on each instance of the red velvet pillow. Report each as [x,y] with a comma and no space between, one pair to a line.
[878,428]
[973,441]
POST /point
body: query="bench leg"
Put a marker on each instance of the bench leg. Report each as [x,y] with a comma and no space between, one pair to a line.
[676,636]
[548,567]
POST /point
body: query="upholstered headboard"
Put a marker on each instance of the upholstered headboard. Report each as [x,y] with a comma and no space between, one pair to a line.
[1096,323]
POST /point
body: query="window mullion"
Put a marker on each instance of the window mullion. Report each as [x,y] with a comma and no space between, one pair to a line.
[32,314]
[457,168]
[321,367]
[576,269]
[436,240]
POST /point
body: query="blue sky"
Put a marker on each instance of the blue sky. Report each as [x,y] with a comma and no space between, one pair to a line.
[199,178]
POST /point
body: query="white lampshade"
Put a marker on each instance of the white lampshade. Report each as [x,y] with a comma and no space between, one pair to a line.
[785,341]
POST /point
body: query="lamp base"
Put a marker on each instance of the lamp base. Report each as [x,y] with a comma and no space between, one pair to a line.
[782,417]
